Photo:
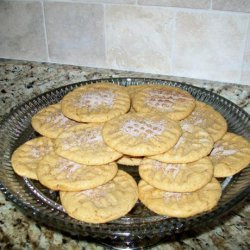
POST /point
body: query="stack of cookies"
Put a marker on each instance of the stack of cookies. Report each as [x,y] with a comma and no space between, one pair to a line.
[179,144]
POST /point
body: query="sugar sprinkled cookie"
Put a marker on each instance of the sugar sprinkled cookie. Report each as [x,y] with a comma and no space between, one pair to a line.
[26,158]
[180,205]
[58,173]
[104,203]
[96,102]
[230,155]
[140,134]
[174,102]
[194,144]
[84,144]
[177,177]
[207,118]
[50,121]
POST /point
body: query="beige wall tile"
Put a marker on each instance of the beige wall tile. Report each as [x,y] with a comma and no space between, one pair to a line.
[119,1]
[210,45]
[75,33]
[22,31]
[196,4]
[24,0]
[233,5]
[245,77]
[96,1]
[139,38]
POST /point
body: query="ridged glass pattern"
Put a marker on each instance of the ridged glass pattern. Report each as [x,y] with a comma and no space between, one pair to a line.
[140,225]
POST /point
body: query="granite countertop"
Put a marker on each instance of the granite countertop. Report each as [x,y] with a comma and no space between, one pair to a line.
[20,81]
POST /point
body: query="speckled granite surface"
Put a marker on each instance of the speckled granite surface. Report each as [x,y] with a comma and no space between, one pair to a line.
[20,81]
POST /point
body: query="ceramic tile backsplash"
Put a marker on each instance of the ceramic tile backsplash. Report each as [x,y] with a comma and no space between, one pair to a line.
[75,33]
[96,1]
[139,38]
[22,31]
[245,78]
[192,38]
[233,5]
[210,45]
[196,4]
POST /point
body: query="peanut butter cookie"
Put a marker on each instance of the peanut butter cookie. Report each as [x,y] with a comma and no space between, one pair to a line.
[26,158]
[84,144]
[180,205]
[140,134]
[96,102]
[103,203]
[230,155]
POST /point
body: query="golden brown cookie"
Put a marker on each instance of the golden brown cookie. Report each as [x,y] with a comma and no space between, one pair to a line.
[207,118]
[96,102]
[58,173]
[194,144]
[173,101]
[84,144]
[180,205]
[128,160]
[140,134]
[134,89]
[131,110]
[50,121]
[27,157]
[230,155]
[104,203]
[177,177]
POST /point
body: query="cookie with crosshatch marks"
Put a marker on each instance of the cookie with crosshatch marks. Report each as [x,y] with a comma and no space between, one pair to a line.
[174,102]
[230,155]
[96,102]
[27,157]
[84,144]
[180,205]
[140,134]
[128,160]
[103,203]
[194,144]
[177,177]
[58,173]
[206,117]
[134,89]
[50,121]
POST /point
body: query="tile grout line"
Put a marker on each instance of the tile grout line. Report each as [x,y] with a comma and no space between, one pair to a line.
[211,5]
[244,49]
[192,10]
[83,2]
[186,9]
[45,32]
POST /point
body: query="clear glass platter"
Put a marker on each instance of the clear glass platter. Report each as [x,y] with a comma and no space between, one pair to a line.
[140,227]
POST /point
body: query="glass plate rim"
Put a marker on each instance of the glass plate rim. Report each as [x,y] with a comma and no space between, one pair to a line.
[23,206]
